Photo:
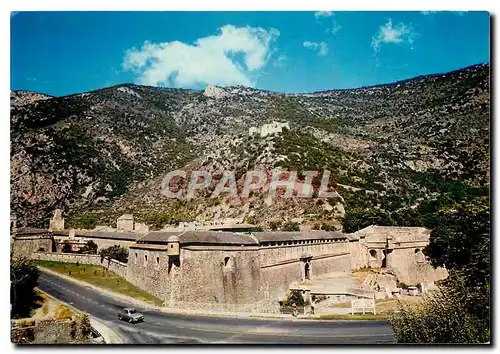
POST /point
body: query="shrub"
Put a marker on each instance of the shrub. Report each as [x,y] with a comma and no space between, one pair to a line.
[402,285]
[446,316]
[23,279]
[275,225]
[295,296]
[66,247]
[25,323]
[81,327]
[63,312]
[291,226]
[89,248]
[116,252]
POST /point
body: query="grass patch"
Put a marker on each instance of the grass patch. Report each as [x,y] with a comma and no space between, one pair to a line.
[355,317]
[100,276]
[25,323]
[63,312]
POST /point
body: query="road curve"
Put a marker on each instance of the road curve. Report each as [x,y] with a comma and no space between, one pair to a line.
[166,328]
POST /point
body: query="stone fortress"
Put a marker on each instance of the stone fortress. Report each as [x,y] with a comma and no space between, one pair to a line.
[230,267]
[268,129]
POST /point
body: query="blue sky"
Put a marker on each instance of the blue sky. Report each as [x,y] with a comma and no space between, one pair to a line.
[61,53]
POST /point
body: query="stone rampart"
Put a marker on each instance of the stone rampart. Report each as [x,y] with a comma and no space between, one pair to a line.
[92,259]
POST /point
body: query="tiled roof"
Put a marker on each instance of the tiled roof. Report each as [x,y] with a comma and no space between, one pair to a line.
[128,236]
[199,237]
[278,236]
[31,231]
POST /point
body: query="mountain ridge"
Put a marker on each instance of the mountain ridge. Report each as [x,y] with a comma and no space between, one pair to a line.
[99,149]
[391,83]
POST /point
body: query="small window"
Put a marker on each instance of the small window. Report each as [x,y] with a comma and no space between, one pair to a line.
[171,246]
[157,260]
[373,254]
[228,263]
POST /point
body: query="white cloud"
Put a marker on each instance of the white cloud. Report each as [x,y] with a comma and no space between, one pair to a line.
[319,14]
[280,61]
[458,13]
[397,34]
[321,47]
[232,57]
[335,28]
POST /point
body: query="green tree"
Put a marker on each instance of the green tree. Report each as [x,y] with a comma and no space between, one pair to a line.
[461,241]
[355,220]
[460,312]
[114,252]
[443,317]
[23,279]
[89,248]
[67,247]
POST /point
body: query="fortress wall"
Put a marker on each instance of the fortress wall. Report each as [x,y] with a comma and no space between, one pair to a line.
[359,254]
[337,263]
[411,268]
[93,259]
[151,275]
[26,246]
[100,242]
[276,280]
[277,254]
[215,276]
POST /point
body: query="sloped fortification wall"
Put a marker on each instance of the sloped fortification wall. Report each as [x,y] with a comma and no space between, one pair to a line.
[282,266]
[224,278]
[358,253]
[412,268]
[149,270]
[200,277]
[215,276]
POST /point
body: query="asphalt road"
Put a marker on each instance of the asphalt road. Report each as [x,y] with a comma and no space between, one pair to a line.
[165,328]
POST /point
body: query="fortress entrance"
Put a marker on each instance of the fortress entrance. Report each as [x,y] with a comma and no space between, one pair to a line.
[306,271]
[306,267]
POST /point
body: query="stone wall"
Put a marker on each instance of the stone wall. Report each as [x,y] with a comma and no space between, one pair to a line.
[151,274]
[401,247]
[25,246]
[411,268]
[93,259]
[281,266]
[228,278]
[359,254]
[100,242]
